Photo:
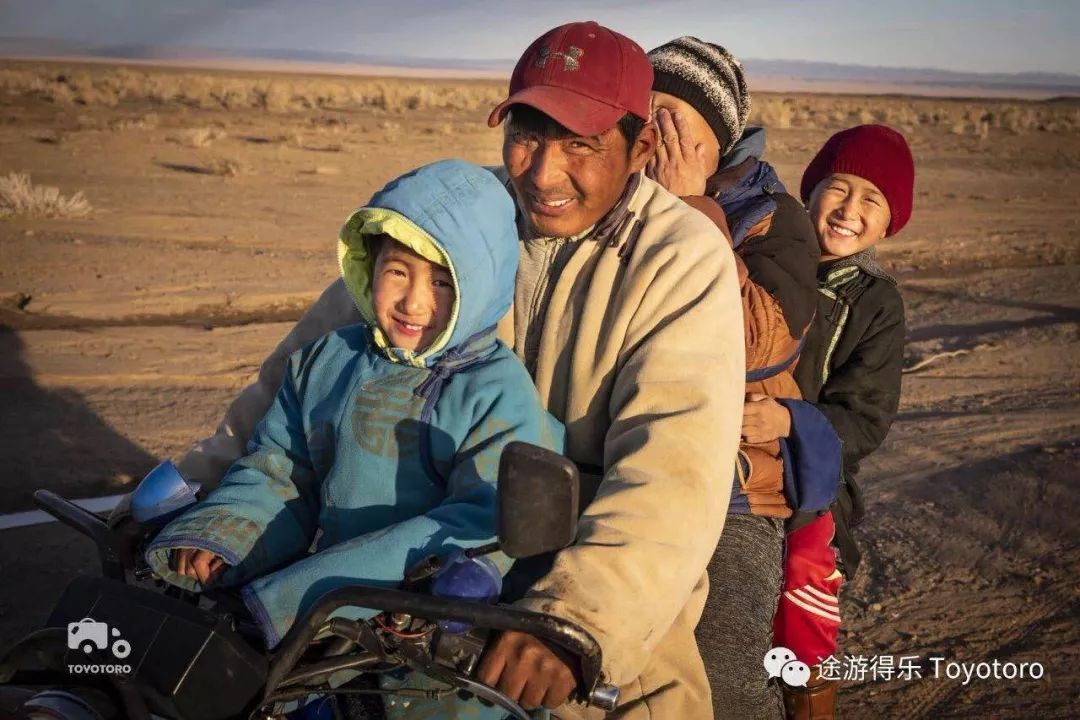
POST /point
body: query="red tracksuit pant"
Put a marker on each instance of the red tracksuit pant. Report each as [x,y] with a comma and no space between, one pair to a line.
[808,614]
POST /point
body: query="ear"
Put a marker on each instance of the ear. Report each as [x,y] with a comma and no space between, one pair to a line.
[644,147]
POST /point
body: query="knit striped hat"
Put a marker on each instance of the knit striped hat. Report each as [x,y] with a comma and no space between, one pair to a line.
[710,79]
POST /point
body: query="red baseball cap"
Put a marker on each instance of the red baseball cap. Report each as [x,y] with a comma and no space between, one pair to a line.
[582,75]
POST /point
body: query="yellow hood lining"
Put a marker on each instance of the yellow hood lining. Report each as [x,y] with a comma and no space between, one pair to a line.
[357,264]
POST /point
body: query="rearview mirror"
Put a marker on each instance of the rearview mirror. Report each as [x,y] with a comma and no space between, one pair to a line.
[538,500]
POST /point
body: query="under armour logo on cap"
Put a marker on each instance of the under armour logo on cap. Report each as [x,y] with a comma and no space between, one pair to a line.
[587,98]
[570,57]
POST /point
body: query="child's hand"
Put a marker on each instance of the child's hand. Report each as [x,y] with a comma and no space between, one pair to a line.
[201,565]
[764,419]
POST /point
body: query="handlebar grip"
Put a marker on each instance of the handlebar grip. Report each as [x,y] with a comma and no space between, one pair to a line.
[604,696]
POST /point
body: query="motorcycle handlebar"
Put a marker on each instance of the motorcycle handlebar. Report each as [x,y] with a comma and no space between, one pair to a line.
[560,632]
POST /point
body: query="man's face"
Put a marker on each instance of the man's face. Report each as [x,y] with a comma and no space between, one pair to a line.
[413,297]
[566,184]
[849,213]
[702,133]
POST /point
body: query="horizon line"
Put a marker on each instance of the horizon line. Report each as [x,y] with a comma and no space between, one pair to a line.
[764,84]
[432,63]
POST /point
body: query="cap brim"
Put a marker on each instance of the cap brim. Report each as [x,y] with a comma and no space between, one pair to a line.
[574,111]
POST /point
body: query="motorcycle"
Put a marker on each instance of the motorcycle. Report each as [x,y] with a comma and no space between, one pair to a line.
[200,656]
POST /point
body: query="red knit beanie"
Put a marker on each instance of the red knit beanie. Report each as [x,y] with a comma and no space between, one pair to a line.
[875,153]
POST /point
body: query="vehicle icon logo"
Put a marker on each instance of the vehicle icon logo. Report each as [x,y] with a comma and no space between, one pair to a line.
[90,635]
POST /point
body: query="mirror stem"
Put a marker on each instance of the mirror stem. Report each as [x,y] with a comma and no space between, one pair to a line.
[482,550]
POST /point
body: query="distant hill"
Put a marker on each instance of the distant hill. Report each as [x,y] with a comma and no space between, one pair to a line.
[1053,83]
[20,48]
[779,75]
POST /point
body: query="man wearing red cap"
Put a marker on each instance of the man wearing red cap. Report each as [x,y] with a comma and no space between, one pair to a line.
[627,315]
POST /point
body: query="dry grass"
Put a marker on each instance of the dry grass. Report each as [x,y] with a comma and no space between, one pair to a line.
[221,167]
[322,170]
[110,87]
[197,137]
[977,119]
[224,167]
[48,136]
[149,121]
[19,196]
[283,93]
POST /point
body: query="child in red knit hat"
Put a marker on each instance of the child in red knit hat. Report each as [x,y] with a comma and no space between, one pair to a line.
[858,190]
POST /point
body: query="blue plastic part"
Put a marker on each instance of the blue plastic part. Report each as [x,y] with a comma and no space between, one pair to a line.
[161,495]
[321,709]
[465,578]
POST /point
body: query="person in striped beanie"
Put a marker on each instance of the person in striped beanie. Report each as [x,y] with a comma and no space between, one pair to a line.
[710,79]
[710,158]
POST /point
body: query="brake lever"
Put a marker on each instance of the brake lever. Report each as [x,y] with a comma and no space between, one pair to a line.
[416,660]
[491,695]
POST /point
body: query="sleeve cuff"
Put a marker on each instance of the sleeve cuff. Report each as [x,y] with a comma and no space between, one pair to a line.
[262,617]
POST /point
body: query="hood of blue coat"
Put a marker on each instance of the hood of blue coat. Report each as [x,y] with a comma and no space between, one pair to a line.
[750,145]
[453,213]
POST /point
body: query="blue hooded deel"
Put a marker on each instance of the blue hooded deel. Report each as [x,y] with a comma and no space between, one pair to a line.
[373,457]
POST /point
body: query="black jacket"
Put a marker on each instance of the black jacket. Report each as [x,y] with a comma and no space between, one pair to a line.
[850,369]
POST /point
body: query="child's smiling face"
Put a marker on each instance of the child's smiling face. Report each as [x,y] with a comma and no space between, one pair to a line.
[413,297]
[849,213]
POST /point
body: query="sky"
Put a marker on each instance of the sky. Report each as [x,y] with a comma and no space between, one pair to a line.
[960,35]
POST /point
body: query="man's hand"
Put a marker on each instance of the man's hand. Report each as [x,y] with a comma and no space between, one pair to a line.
[679,162]
[201,565]
[764,419]
[528,671]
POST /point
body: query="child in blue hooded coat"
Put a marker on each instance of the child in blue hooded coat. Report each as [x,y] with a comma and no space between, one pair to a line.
[383,444]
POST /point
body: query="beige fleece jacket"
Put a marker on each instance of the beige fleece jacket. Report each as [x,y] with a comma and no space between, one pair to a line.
[642,357]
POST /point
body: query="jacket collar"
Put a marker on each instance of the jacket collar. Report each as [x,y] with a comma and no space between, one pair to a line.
[609,226]
[742,166]
[745,191]
[726,178]
[750,145]
[837,272]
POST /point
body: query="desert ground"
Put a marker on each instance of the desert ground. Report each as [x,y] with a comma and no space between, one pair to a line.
[131,314]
